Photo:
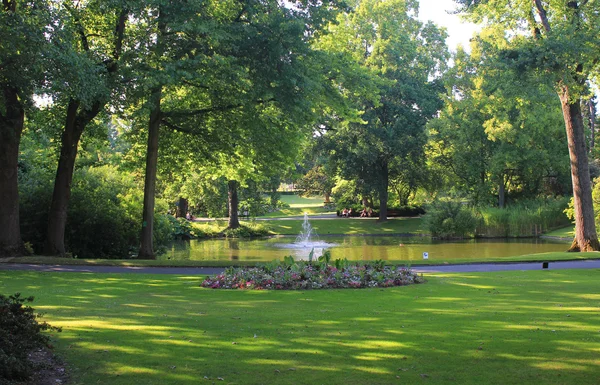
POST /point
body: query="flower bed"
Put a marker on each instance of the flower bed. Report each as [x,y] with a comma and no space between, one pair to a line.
[313,275]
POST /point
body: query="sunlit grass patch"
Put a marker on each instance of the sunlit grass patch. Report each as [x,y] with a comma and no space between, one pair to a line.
[522,327]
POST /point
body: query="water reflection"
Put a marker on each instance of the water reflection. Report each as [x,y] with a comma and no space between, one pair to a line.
[358,247]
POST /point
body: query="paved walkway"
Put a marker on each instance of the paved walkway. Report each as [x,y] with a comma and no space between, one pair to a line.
[479,267]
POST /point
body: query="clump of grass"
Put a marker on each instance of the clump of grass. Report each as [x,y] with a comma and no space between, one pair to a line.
[522,219]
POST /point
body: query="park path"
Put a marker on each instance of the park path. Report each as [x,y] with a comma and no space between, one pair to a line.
[466,268]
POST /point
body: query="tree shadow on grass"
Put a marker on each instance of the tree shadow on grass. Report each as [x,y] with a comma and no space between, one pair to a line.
[493,328]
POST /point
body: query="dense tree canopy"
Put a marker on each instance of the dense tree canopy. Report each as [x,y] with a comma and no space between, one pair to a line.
[111,112]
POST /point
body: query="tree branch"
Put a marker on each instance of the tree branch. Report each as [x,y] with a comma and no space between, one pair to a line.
[542,13]
[80,30]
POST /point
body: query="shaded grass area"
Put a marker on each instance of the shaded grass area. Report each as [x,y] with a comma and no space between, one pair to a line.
[495,328]
[551,256]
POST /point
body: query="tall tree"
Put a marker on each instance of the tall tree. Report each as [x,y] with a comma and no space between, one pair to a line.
[496,136]
[94,51]
[222,63]
[556,40]
[26,45]
[407,57]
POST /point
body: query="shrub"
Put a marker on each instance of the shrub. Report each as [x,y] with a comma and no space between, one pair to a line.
[253,229]
[20,332]
[301,275]
[448,219]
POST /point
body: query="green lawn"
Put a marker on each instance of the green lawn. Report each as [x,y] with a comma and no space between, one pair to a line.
[535,327]
[349,226]
[296,201]
[565,232]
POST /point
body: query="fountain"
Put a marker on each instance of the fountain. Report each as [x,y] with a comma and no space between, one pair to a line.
[306,241]
[307,231]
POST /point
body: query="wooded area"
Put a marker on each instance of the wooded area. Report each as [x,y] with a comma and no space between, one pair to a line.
[114,115]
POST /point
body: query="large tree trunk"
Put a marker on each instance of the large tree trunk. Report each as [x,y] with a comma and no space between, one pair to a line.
[586,238]
[146,246]
[11,128]
[383,192]
[57,220]
[232,195]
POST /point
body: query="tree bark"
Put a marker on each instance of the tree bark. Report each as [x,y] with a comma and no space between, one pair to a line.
[383,192]
[182,208]
[146,239]
[586,238]
[592,110]
[232,196]
[57,217]
[11,128]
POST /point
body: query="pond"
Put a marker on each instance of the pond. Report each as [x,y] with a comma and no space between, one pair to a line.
[357,248]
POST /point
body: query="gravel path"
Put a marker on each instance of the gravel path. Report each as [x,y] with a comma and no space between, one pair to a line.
[468,268]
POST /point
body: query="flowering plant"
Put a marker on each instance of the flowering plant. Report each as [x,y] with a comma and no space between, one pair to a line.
[307,275]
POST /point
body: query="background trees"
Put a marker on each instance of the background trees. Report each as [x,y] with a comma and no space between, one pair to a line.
[554,41]
[404,57]
[199,99]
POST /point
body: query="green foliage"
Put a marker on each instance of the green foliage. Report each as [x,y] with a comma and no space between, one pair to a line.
[523,219]
[20,333]
[181,228]
[104,214]
[253,229]
[448,219]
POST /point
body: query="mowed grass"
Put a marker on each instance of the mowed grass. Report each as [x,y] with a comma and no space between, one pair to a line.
[350,226]
[565,232]
[534,327]
[296,201]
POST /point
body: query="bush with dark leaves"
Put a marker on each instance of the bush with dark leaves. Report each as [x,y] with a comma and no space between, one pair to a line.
[20,333]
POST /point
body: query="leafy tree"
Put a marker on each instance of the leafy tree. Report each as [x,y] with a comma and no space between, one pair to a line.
[25,48]
[555,41]
[93,44]
[216,66]
[495,136]
[406,57]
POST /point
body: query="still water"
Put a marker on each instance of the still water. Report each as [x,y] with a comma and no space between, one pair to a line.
[356,248]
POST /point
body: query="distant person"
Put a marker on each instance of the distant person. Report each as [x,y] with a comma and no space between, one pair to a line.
[370,212]
[363,213]
[345,213]
[350,212]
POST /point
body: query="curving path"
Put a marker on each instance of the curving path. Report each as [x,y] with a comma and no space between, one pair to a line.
[467,268]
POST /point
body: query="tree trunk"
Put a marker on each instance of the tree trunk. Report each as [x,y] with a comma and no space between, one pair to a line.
[232,196]
[383,193]
[146,238]
[11,128]
[586,238]
[182,208]
[501,192]
[327,197]
[592,108]
[57,217]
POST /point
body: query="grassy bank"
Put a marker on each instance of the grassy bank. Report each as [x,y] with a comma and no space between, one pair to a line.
[492,328]
[338,226]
